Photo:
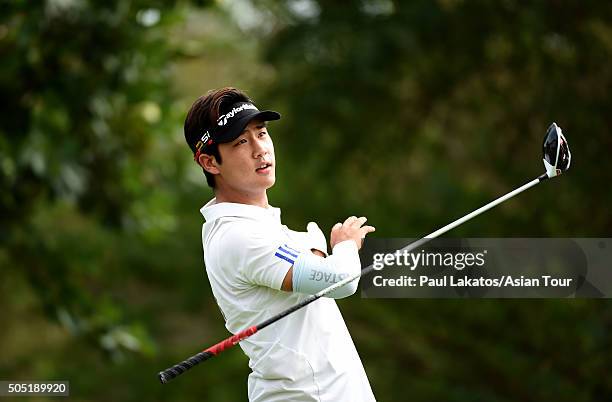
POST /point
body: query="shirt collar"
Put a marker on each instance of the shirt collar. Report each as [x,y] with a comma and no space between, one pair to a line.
[213,211]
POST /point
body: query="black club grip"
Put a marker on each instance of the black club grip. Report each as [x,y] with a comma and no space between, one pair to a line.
[178,369]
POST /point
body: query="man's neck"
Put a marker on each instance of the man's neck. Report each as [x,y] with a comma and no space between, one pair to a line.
[259,200]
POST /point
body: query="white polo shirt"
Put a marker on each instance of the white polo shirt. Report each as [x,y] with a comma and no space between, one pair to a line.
[308,355]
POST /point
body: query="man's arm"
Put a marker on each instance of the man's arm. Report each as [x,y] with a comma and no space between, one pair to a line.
[287,282]
[315,273]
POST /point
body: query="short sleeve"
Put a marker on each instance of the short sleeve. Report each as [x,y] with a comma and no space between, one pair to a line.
[261,259]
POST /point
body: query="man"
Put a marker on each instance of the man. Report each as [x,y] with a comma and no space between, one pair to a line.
[258,267]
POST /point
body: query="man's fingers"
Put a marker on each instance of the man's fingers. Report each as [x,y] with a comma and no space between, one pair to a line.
[360,221]
[354,221]
[337,226]
[349,220]
[367,229]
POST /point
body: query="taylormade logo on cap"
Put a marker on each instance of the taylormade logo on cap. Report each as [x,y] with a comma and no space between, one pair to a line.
[222,121]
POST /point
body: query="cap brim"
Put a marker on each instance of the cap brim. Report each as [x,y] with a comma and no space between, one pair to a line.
[237,127]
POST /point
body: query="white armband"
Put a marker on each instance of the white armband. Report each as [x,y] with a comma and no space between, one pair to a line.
[312,273]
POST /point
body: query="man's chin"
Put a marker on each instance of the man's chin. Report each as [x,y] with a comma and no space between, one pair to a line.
[265,181]
[270,181]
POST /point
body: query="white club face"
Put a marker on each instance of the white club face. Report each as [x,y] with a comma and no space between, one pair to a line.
[557,156]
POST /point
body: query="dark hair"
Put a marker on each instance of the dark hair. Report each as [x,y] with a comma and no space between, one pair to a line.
[204,113]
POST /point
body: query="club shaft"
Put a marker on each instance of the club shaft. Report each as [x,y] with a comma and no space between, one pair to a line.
[482,209]
[176,370]
[438,232]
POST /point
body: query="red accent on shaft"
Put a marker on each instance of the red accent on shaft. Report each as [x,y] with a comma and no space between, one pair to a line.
[231,341]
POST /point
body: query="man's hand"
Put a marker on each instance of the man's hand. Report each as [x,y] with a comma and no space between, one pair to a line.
[351,229]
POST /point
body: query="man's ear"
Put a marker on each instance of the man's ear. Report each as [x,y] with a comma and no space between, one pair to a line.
[209,163]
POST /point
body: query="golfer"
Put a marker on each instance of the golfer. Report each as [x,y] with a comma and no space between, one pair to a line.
[258,267]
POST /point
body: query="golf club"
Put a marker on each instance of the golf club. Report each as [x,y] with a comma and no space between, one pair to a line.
[557,158]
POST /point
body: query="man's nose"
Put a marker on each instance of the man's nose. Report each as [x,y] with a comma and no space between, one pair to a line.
[260,148]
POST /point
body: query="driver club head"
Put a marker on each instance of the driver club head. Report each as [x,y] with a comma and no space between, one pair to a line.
[557,156]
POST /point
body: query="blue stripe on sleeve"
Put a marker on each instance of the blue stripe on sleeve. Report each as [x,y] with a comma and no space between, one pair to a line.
[284,257]
[289,252]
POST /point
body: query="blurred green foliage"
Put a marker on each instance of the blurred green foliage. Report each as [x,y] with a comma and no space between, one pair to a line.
[411,113]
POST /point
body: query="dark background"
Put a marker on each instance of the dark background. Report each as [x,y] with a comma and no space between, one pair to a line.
[410,113]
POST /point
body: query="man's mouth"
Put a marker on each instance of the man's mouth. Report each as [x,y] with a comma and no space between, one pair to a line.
[264,167]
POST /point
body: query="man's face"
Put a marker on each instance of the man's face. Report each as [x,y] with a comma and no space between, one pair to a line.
[248,161]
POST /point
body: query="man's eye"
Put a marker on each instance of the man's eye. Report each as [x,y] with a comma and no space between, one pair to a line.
[242,141]
[263,133]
